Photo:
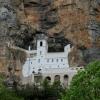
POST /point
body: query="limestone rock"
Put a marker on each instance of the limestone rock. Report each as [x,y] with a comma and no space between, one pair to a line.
[78,21]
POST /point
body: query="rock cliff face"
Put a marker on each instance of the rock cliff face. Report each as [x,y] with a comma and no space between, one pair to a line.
[77,21]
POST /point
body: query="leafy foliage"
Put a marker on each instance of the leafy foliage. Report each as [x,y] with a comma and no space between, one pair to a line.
[85,85]
[6,94]
[45,91]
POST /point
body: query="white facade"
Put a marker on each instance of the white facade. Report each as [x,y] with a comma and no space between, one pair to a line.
[41,60]
[48,64]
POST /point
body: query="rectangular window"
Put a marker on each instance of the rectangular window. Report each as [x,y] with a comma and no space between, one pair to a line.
[61,60]
[38,60]
[41,43]
[40,52]
[57,60]
[47,60]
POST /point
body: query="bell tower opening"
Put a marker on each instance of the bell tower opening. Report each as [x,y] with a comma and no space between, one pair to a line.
[41,43]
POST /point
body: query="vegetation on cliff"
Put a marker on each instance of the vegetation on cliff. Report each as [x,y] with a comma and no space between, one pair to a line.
[5,93]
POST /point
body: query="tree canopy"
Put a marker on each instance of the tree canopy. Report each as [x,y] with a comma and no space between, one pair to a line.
[45,91]
[86,84]
[5,93]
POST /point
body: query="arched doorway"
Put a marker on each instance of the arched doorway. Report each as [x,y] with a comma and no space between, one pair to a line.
[48,79]
[57,78]
[65,77]
[37,78]
[66,80]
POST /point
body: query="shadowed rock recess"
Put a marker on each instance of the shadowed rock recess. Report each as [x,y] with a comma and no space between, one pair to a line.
[64,21]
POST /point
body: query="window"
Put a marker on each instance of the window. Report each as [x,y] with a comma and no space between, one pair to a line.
[38,60]
[40,52]
[47,60]
[61,60]
[57,60]
[41,43]
[52,60]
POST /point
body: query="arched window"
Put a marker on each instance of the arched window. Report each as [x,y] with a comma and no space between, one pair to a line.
[41,43]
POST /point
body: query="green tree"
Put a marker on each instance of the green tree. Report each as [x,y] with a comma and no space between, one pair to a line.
[52,91]
[44,91]
[86,84]
[5,93]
